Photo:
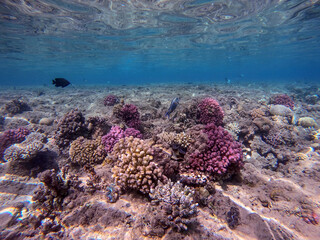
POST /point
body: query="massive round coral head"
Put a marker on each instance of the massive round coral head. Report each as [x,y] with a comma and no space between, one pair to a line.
[135,168]
[210,112]
[221,158]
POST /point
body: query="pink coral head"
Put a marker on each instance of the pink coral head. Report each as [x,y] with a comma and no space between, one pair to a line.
[284,100]
[210,112]
[110,100]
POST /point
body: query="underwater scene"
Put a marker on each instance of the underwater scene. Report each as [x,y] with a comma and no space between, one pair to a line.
[160,119]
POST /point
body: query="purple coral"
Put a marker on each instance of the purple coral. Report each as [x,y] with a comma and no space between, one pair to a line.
[130,115]
[110,100]
[222,156]
[10,137]
[210,112]
[284,100]
[115,134]
[71,126]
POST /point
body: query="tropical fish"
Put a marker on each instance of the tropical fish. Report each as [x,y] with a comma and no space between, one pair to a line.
[173,105]
[60,82]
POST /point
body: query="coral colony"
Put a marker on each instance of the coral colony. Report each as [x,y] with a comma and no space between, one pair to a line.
[107,163]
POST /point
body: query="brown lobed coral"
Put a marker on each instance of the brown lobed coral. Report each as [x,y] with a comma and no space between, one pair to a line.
[86,152]
[135,167]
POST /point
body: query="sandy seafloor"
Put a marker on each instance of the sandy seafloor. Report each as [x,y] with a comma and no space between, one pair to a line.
[277,191]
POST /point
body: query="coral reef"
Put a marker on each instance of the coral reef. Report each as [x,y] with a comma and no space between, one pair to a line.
[97,126]
[176,203]
[131,116]
[111,100]
[222,156]
[71,126]
[284,100]
[10,137]
[134,165]
[210,112]
[115,134]
[307,122]
[86,152]
[16,106]
[25,150]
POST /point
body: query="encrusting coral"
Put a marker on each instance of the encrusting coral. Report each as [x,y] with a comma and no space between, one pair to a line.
[84,151]
[134,165]
[176,203]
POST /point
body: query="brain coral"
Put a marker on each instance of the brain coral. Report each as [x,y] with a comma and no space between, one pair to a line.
[84,151]
[115,134]
[71,126]
[222,156]
[10,137]
[25,150]
[210,112]
[135,167]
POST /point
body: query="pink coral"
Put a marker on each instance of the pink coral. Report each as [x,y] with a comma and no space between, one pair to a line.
[131,116]
[115,134]
[10,137]
[222,156]
[110,100]
[210,112]
[284,100]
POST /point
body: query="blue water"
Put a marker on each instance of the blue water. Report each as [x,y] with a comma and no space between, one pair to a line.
[140,41]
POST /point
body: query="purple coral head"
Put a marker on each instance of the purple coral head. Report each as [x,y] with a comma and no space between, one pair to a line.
[115,134]
[111,100]
[131,116]
[221,158]
[284,100]
[132,132]
[210,112]
[112,138]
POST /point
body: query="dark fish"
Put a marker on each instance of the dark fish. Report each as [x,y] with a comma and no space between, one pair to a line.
[173,105]
[60,82]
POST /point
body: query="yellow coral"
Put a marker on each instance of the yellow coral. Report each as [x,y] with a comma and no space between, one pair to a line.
[84,151]
[134,167]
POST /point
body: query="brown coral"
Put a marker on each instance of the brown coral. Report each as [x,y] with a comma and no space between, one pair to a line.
[135,167]
[84,151]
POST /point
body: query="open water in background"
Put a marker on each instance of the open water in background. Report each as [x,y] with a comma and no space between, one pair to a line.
[159,41]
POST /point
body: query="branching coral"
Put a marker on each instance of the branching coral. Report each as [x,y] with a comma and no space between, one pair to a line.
[210,112]
[111,100]
[135,167]
[221,157]
[177,204]
[128,113]
[84,151]
[115,134]
[284,100]
[71,126]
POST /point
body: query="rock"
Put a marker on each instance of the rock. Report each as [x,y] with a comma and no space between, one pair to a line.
[307,122]
[280,110]
[46,121]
